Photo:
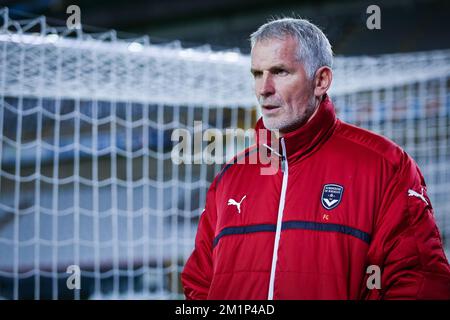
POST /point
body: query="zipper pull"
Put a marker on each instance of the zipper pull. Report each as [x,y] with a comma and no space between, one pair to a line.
[284,164]
[283,158]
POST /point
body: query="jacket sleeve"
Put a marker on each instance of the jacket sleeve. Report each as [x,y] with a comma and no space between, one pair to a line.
[406,244]
[197,273]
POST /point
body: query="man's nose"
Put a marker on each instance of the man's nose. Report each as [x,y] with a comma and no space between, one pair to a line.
[267,87]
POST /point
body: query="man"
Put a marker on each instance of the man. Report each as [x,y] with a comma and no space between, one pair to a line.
[343,201]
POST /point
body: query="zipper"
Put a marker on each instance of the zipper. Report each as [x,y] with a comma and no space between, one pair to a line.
[285,170]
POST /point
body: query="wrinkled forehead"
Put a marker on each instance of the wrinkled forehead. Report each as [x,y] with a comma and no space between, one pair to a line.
[274,51]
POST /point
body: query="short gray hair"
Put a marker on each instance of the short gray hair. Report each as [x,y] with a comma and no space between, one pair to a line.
[314,47]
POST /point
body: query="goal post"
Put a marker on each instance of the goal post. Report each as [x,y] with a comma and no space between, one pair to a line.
[87,177]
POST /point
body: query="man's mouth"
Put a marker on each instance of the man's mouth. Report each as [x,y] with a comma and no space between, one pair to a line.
[269,108]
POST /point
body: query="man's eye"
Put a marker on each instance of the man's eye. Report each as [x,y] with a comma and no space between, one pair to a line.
[280,72]
[256,74]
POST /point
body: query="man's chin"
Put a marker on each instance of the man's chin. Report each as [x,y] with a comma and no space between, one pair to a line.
[270,124]
[282,127]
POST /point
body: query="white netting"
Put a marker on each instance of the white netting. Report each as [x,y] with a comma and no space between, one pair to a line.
[86,176]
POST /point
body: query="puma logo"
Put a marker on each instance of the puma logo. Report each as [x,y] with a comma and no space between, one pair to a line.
[413,193]
[233,202]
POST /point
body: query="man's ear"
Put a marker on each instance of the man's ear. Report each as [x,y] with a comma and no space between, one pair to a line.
[322,81]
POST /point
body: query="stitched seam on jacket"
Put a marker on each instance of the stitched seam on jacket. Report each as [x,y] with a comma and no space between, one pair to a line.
[362,144]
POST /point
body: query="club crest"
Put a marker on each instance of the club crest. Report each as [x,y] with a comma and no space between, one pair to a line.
[331,195]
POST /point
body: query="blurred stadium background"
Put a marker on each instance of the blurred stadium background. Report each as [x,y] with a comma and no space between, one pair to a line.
[86,117]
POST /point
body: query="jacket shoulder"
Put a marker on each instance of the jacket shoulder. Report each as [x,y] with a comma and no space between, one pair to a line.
[371,144]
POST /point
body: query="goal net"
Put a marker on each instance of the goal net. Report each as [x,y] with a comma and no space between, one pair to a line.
[86,173]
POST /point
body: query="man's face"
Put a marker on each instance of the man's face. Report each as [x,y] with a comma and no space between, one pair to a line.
[284,92]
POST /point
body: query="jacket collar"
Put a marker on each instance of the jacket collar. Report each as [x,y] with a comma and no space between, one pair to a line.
[306,139]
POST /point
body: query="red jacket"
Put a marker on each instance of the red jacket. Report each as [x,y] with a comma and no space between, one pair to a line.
[343,199]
